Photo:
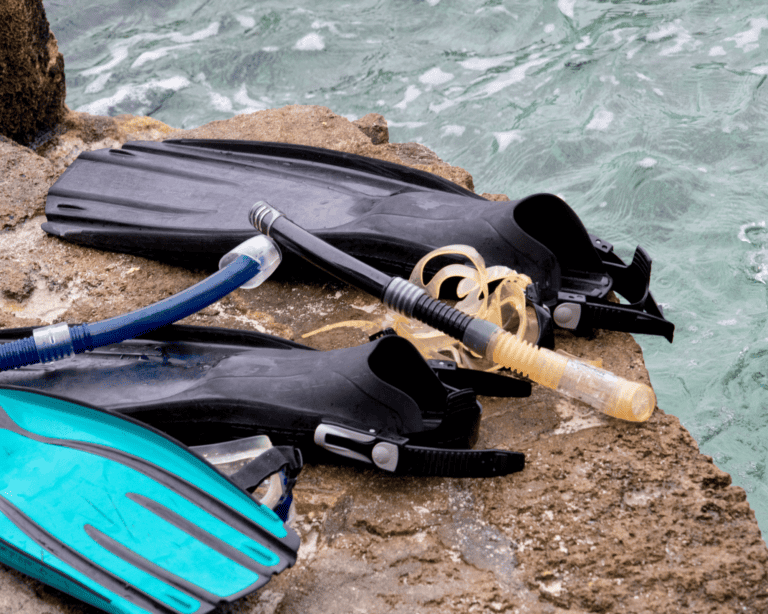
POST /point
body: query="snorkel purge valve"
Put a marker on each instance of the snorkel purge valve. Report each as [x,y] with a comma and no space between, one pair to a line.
[601,389]
[246,266]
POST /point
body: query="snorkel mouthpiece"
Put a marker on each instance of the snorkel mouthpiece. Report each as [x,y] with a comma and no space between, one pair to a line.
[262,250]
[601,389]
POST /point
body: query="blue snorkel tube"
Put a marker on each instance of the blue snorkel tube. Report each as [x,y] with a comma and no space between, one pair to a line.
[246,266]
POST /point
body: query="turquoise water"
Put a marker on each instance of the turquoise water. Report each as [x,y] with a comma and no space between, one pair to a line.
[649,118]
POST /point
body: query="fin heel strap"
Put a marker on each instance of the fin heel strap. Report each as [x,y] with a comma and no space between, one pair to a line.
[459,463]
[624,319]
[285,459]
[271,461]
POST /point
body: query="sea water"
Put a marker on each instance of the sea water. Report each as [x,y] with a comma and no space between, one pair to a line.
[648,118]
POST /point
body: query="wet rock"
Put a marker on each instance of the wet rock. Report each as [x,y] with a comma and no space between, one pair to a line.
[32,87]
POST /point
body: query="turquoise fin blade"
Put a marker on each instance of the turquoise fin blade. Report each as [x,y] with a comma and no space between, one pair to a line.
[123,517]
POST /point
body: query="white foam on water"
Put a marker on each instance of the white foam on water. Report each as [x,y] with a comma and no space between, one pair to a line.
[657,91]
[98,83]
[600,120]
[760,70]
[549,28]
[716,51]
[411,94]
[743,230]
[586,41]
[452,130]
[505,139]
[759,261]
[701,169]
[156,54]
[331,27]
[437,107]
[671,29]
[609,79]
[270,49]
[747,40]
[617,38]
[648,162]
[566,7]
[311,42]
[483,64]
[211,30]
[433,2]
[150,56]
[515,75]
[435,76]
[642,77]
[249,104]
[133,92]
[119,53]
[245,21]
[663,31]
[496,9]
[220,102]
[603,204]
[731,322]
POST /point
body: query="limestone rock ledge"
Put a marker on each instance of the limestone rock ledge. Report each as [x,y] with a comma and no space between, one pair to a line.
[607,516]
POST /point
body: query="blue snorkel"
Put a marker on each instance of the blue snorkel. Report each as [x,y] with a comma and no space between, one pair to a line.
[246,266]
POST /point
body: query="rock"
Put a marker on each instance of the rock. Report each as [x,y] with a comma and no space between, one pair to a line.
[607,516]
[374,126]
[24,181]
[81,132]
[495,197]
[32,87]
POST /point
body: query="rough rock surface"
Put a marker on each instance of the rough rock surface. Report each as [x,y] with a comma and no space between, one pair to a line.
[374,126]
[606,517]
[32,87]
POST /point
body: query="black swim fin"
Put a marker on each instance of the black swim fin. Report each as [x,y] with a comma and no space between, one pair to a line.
[380,403]
[123,517]
[187,201]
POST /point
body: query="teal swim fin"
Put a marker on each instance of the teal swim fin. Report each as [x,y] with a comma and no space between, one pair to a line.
[123,517]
